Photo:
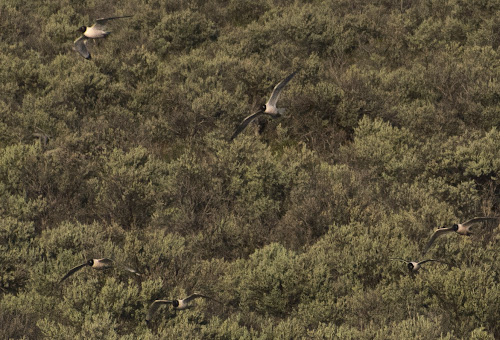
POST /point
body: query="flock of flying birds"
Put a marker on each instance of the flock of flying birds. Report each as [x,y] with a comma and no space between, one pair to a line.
[181,304]
[97,31]
[105,263]
[269,108]
[463,229]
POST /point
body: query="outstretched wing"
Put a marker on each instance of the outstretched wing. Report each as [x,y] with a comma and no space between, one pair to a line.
[197,295]
[99,23]
[278,88]
[436,234]
[81,47]
[154,307]
[399,259]
[132,270]
[72,271]
[429,260]
[245,122]
[478,219]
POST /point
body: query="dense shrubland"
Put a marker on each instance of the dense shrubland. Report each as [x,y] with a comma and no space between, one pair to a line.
[391,130]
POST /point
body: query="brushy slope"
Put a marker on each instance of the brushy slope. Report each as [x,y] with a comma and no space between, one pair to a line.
[391,130]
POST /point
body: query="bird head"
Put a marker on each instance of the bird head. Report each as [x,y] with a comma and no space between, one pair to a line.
[454,227]
[263,107]
[82,29]
[175,303]
[410,266]
[90,262]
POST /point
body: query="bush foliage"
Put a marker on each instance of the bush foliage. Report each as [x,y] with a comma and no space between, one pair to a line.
[391,130]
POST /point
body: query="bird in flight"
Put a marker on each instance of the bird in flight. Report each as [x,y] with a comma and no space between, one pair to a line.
[460,228]
[413,266]
[96,31]
[268,108]
[99,264]
[177,304]
[42,137]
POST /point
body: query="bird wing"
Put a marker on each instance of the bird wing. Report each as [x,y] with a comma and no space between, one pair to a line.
[424,261]
[154,307]
[399,259]
[99,23]
[477,220]
[81,47]
[132,270]
[436,234]
[72,271]
[245,122]
[278,88]
[195,296]
[106,262]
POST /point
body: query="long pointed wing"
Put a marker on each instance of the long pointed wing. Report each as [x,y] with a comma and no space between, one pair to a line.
[278,88]
[424,261]
[154,307]
[81,47]
[99,23]
[399,259]
[245,122]
[478,219]
[72,271]
[436,234]
[198,295]
[132,270]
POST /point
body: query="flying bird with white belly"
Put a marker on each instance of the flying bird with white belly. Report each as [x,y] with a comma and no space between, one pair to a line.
[99,264]
[460,228]
[96,31]
[176,304]
[268,108]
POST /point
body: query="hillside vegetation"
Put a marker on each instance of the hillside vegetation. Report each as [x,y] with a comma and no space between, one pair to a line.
[391,131]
